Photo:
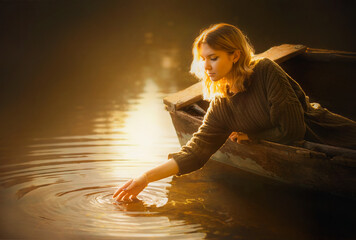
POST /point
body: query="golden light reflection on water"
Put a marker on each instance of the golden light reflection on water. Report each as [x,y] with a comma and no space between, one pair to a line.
[146,124]
[143,127]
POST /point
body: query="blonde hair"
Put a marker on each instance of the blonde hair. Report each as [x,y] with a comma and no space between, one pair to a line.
[227,38]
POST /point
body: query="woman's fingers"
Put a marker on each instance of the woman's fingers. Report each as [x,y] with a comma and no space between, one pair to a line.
[127,193]
[242,138]
[121,195]
[131,189]
[127,197]
[233,136]
[239,137]
[133,197]
[118,191]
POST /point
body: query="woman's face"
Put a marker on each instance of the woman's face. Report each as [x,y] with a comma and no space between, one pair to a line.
[217,63]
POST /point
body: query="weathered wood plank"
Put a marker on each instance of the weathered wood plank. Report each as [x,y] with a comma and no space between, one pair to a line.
[194,93]
[184,97]
[282,53]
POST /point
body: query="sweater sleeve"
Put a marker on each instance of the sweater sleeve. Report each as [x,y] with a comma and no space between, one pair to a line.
[286,112]
[210,136]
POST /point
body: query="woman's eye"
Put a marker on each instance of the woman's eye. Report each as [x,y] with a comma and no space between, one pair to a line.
[214,58]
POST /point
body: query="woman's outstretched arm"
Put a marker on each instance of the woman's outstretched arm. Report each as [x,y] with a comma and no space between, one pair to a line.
[133,187]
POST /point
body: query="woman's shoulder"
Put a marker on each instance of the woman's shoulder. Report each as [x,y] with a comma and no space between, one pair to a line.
[265,64]
[261,70]
[268,69]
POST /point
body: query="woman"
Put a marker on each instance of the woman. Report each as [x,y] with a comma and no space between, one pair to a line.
[249,99]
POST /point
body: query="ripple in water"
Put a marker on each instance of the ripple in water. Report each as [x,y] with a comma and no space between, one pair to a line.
[71,198]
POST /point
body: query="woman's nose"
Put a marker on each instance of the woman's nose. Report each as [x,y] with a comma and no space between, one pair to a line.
[207,65]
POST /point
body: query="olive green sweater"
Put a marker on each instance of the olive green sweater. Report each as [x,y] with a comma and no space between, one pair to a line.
[275,108]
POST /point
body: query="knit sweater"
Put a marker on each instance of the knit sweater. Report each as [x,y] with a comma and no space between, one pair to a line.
[275,108]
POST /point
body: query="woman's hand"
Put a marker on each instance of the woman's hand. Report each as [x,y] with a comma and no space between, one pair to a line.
[131,188]
[239,137]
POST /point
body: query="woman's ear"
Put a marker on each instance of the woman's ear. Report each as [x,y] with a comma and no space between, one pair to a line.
[236,56]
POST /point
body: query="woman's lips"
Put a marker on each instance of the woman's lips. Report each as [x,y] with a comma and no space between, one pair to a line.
[211,74]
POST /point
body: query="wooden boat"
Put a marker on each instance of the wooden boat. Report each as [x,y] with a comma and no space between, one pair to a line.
[311,165]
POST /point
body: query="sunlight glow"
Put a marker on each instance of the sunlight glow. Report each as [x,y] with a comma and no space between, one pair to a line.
[138,138]
[146,125]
